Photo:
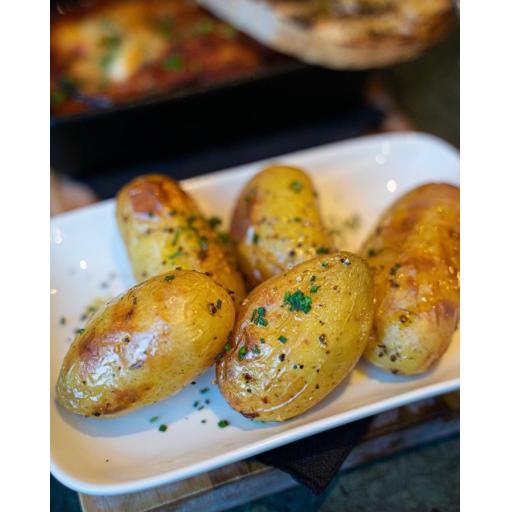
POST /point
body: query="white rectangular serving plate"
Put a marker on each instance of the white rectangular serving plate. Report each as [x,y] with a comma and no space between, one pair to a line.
[88,261]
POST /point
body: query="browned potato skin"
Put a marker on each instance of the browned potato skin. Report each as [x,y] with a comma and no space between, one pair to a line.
[163,229]
[276,223]
[417,302]
[146,345]
[276,381]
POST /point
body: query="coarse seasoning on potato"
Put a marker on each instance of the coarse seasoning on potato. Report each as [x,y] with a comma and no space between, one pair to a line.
[276,223]
[146,344]
[163,229]
[414,253]
[297,336]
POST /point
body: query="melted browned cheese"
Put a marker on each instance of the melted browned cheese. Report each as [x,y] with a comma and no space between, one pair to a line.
[114,51]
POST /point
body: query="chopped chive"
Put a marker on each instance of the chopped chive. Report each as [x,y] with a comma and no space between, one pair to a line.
[296,186]
[214,222]
[297,301]
[258,316]
[223,423]
[162,428]
[282,339]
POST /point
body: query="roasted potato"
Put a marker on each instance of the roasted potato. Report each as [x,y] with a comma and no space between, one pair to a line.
[297,336]
[414,253]
[146,345]
[163,229]
[276,223]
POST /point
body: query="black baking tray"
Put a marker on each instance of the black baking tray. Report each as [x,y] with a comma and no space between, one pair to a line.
[164,127]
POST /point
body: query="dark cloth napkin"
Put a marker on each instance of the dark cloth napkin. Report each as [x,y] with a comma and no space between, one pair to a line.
[316,460]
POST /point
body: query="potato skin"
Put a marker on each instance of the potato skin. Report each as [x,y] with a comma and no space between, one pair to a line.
[276,223]
[146,345]
[163,229]
[279,378]
[414,253]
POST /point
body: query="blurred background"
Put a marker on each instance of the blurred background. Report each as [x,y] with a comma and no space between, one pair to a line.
[165,86]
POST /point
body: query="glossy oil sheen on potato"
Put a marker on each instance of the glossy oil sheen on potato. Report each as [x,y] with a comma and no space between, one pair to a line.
[276,223]
[146,345]
[163,229]
[414,253]
[297,336]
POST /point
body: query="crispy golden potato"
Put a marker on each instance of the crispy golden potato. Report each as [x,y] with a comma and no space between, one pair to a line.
[414,253]
[146,345]
[276,223]
[163,229]
[297,336]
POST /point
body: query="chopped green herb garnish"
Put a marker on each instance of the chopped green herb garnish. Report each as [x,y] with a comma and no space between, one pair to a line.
[242,352]
[258,316]
[172,63]
[214,222]
[196,403]
[394,268]
[169,278]
[297,301]
[256,349]
[262,341]
[57,98]
[204,26]
[314,289]
[204,390]
[322,250]
[164,25]
[153,419]
[325,264]
[223,237]
[218,304]
[79,331]
[176,236]
[176,254]
[282,339]
[255,238]
[312,279]
[228,31]
[296,186]
[372,253]
[223,423]
[227,346]
[162,428]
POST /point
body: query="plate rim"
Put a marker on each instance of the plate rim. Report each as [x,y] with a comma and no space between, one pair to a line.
[280,438]
[257,447]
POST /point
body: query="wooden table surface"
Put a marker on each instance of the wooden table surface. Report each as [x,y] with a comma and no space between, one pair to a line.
[390,432]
